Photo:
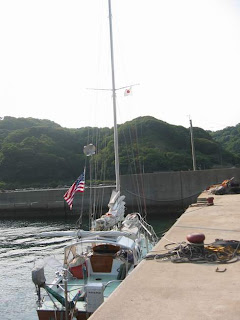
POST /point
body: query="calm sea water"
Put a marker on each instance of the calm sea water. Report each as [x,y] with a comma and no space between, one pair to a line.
[21,248]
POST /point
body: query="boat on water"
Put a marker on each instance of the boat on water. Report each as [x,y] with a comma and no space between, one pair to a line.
[98,260]
[94,265]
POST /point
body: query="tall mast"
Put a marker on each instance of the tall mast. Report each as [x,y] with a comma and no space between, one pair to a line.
[114,101]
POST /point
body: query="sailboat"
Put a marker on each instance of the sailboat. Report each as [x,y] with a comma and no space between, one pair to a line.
[98,260]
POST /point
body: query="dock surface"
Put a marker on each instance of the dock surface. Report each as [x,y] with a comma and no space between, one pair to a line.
[196,291]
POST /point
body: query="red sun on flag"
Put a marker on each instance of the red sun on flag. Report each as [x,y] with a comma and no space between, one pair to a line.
[128,92]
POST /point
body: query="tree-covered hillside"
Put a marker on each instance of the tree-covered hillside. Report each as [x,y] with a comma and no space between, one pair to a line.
[41,153]
[229,139]
[164,147]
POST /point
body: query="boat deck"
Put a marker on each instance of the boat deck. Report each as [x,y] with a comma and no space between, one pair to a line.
[74,285]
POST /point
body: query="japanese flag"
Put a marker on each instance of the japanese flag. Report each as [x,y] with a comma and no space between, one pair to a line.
[128,92]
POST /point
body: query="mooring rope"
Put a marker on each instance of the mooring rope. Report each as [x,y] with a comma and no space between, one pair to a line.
[200,253]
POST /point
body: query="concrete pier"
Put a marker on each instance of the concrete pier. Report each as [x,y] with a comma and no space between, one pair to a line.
[181,291]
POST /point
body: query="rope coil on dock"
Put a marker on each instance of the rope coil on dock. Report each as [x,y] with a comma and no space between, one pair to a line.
[221,251]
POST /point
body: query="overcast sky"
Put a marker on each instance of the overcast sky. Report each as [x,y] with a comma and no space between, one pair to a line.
[184,54]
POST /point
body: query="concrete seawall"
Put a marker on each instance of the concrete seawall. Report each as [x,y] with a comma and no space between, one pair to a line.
[171,191]
[49,202]
[161,192]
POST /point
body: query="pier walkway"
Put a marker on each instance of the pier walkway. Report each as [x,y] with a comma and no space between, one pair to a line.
[177,291]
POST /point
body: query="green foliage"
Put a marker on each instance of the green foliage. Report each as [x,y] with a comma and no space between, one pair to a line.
[2,185]
[206,146]
[40,153]
[11,123]
[229,138]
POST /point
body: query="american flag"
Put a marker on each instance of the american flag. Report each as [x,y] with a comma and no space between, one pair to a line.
[78,186]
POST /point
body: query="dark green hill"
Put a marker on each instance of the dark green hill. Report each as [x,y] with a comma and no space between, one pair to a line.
[229,139]
[167,147]
[37,152]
